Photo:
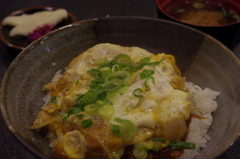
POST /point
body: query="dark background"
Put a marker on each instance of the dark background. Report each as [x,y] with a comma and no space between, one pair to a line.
[10,147]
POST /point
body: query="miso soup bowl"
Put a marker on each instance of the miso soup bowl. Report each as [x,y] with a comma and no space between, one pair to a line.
[202,59]
[228,34]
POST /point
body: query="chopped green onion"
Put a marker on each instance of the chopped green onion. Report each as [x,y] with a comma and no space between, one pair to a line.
[113,85]
[76,83]
[138,92]
[80,115]
[127,130]
[123,60]
[95,72]
[146,73]
[106,111]
[100,102]
[128,69]
[91,96]
[123,90]
[96,82]
[145,60]
[140,151]
[180,145]
[147,80]
[105,71]
[73,110]
[100,61]
[124,75]
[116,130]
[159,139]
[115,68]
[53,99]
[86,123]
[223,10]
[235,16]
[159,143]
[91,108]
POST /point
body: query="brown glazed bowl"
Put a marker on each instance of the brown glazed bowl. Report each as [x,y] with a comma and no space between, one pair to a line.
[20,42]
[203,60]
[228,33]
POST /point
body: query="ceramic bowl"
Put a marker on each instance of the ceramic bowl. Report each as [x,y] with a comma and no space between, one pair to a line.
[20,42]
[217,31]
[203,60]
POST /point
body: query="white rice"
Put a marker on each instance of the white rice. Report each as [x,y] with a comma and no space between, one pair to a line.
[53,64]
[204,101]
[47,97]
[57,76]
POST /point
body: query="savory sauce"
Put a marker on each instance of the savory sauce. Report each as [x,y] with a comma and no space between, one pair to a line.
[203,12]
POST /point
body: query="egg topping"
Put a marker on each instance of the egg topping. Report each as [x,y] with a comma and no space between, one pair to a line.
[113,97]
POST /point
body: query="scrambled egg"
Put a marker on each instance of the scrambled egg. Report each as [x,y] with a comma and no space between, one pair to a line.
[112,97]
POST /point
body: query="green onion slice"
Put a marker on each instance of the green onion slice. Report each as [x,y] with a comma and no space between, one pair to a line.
[80,115]
[91,108]
[138,92]
[127,130]
[146,82]
[140,151]
[159,139]
[76,83]
[145,60]
[95,72]
[146,73]
[86,123]
[53,99]
[116,130]
[100,61]
[73,110]
[124,75]
[180,145]
[122,60]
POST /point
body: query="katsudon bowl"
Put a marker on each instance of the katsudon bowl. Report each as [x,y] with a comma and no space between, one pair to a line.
[202,59]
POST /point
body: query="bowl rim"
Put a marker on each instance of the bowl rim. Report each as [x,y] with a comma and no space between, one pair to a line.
[27,144]
[203,26]
[21,11]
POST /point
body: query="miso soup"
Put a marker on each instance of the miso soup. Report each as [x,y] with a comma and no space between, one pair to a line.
[203,12]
